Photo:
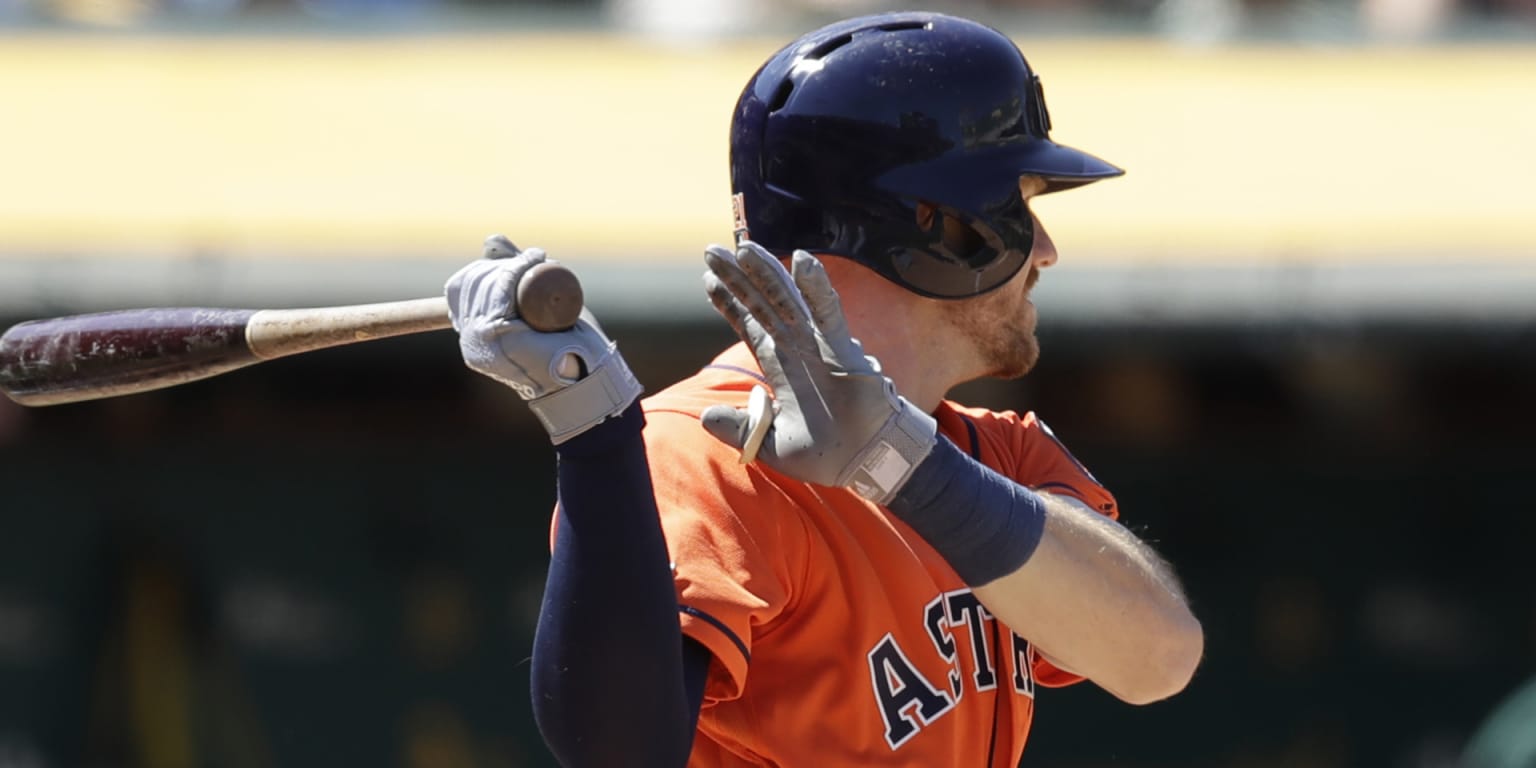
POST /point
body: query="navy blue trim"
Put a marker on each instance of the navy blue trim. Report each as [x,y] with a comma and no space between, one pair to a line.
[970,427]
[724,367]
[1052,435]
[1064,486]
[1000,690]
[717,624]
[997,655]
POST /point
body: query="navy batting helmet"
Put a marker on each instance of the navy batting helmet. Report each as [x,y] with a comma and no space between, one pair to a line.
[898,140]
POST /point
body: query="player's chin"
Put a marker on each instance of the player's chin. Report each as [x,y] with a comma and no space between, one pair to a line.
[1017,361]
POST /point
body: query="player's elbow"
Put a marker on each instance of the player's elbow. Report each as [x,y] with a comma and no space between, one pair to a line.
[590,726]
[1167,664]
[579,739]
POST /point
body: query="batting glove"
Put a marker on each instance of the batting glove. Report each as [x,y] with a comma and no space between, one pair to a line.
[836,421]
[572,379]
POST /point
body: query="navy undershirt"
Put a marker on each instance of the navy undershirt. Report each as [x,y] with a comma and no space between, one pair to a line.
[613,680]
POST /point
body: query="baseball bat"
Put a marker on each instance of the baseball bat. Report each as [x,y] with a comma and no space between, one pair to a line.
[109,354]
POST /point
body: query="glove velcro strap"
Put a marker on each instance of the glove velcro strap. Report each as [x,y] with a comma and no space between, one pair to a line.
[605,392]
[884,465]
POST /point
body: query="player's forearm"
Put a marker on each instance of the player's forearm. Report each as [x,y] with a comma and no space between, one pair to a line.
[1070,581]
[608,634]
[1102,604]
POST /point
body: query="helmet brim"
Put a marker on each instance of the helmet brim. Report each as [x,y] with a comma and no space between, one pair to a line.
[976,181]
[1063,167]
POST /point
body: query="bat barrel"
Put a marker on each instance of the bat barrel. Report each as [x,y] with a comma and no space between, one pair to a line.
[84,357]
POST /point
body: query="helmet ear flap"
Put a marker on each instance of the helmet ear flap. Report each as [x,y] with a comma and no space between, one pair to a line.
[957,237]
[963,239]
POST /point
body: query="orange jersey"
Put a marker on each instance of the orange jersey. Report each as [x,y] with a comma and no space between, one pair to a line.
[840,637]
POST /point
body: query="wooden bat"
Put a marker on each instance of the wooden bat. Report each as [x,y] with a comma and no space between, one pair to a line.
[108,354]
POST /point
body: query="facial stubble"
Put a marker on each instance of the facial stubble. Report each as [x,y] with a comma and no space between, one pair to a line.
[1001,327]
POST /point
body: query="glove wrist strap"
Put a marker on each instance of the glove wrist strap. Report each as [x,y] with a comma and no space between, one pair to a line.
[883,467]
[604,393]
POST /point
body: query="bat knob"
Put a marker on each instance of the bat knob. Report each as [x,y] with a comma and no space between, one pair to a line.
[549,297]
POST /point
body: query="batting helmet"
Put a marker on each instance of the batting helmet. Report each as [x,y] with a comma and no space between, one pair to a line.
[898,140]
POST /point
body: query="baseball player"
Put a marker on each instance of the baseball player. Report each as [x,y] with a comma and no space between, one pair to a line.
[805,555]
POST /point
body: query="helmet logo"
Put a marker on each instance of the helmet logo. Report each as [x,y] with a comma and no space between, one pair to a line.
[739,217]
[1042,115]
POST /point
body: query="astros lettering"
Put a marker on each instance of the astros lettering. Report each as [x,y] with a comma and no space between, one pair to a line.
[957,623]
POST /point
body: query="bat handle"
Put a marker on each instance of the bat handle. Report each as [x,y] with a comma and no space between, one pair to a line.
[274,333]
[549,299]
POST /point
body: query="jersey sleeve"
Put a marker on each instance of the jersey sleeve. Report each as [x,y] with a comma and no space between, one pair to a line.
[737,544]
[1043,463]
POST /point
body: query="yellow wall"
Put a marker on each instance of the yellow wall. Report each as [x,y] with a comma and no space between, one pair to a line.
[591,144]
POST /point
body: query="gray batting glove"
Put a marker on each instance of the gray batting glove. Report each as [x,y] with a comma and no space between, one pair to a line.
[838,421]
[572,379]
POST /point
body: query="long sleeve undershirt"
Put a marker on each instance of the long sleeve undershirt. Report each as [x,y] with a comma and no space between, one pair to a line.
[613,680]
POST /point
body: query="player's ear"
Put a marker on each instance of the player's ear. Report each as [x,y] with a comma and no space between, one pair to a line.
[925,213]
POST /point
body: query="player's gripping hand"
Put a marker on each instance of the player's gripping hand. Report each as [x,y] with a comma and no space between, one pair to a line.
[839,422]
[572,379]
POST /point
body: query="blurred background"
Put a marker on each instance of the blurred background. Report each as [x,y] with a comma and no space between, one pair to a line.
[1298,341]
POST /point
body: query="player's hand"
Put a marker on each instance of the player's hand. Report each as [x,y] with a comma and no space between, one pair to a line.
[838,421]
[573,379]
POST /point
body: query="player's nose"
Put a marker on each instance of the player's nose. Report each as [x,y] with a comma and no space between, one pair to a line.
[1043,253]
